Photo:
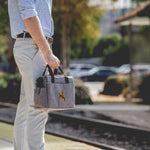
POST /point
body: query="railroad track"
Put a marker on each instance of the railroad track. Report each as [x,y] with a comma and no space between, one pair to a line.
[139,137]
[96,132]
[96,144]
[100,123]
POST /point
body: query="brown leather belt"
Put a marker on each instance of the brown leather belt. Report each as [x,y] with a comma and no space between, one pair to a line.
[27,35]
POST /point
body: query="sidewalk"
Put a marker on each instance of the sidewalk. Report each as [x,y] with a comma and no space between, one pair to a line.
[52,142]
[132,114]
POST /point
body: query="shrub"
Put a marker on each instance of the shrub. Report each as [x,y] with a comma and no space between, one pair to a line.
[136,81]
[10,89]
[3,81]
[111,47]
[118,84]
[82,95]
[114,85]
[144,90]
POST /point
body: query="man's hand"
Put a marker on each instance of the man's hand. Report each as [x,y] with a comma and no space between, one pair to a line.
[52,60]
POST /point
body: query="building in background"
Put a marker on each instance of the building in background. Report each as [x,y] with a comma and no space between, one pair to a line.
[113,10]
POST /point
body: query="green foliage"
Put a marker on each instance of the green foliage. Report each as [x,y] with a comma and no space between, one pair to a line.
[3,80]
[111,47]
[145,29]
[75,21]
[82,23]
[106,43]
[83,48]
[6,78]
[3,44]
[3,16]
[138,1]
[82,20]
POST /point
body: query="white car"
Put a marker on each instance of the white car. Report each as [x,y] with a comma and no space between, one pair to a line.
[77,70]
[139,70]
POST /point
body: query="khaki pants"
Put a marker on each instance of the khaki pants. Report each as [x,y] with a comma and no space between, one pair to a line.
[29,126]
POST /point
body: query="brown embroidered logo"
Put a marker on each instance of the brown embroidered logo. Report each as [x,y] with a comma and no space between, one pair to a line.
[61,96]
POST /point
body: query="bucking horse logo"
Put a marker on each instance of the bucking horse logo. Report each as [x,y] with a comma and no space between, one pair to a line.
[61,96]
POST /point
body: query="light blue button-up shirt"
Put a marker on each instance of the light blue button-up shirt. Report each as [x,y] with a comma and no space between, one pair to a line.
[22,9]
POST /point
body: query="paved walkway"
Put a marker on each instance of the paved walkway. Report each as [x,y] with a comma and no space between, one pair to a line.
[132,114]
[52,142]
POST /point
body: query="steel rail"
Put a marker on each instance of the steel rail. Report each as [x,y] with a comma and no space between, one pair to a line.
[101,123]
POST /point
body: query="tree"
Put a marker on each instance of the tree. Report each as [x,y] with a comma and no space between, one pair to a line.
[139,1]
[84,48]
[113,49]
[74,21]
[3,16]
[3,25]
[5,30]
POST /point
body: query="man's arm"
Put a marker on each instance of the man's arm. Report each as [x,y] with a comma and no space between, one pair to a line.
[34,28]
[29,15]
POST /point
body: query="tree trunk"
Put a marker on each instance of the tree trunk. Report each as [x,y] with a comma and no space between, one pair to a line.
[65,27]
[68,42]
[65,45]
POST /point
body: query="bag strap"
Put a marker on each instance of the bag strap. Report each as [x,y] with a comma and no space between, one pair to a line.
[52,74]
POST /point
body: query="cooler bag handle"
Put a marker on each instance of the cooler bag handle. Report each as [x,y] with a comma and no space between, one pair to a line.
[52,74]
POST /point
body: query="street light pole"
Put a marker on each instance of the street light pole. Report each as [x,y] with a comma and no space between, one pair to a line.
[131,61]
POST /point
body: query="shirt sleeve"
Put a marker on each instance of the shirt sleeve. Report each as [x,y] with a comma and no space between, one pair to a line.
[26,8]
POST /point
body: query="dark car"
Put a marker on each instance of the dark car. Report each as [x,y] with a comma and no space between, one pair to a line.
[98,74]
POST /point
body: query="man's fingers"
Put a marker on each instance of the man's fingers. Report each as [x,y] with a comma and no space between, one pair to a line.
[57,64]
[54,66]
[53,62]
[52,69]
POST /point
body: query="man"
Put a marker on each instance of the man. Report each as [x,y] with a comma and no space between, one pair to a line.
[32,27]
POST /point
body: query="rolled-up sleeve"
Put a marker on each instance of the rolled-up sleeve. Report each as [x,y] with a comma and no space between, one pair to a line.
[27,8]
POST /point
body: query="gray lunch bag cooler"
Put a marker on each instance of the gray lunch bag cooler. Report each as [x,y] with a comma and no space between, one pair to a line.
[54,92]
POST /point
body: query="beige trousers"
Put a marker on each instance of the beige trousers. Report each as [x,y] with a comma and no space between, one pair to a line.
[29,126]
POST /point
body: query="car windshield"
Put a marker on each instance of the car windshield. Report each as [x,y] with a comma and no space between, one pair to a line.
[94,70]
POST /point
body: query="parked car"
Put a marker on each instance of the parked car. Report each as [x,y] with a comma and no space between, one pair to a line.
[98,74]
[124,69]
[138,69]
[77,70]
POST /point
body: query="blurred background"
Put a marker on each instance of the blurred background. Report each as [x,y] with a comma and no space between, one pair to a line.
[105,46]
[105,55]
